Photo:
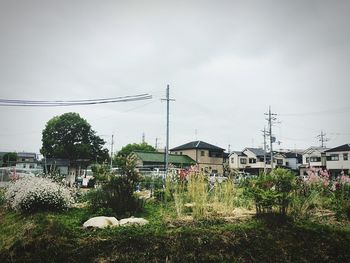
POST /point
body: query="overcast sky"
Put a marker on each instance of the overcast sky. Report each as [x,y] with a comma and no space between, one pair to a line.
[225,62]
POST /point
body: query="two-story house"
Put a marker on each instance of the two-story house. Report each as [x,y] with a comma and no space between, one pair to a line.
[250,160]
[237,161]
[26,160]
[313,157]
[338,159]
[208,157]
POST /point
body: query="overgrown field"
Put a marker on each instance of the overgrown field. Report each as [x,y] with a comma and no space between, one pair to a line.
[59,237]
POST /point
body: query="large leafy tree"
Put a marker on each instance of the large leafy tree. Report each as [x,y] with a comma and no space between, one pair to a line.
[69,136]
[129,148]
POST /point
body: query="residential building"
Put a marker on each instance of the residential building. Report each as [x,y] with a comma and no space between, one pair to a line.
[313,157]
[237,160]
[152,160]
[255,160]
[293,160]
[250,160]
[26,160]
[338,159]
[208,157]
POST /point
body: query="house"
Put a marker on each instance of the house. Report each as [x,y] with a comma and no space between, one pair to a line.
[26,160]
[208,157]
[154,160]
[237,161]
[250,160]
[338,159]
[313,157]
[293,160]
[255,160]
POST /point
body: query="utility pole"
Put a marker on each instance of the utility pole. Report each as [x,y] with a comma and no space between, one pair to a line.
[112,151]
[270,120]
[156,145]
[264,134]
[167,99]
[229,148]
[322,138]
[143,137]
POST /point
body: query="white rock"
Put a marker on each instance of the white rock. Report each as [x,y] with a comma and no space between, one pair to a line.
[133,221]
[101,222]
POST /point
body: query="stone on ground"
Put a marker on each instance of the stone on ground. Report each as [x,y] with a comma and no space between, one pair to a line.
[101,222]
[133,221]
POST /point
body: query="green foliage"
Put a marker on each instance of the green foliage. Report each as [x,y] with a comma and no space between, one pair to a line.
[341,201]
[272,192]
[69,136]
[129,148]
[117,193]
[102,172]
[9,159]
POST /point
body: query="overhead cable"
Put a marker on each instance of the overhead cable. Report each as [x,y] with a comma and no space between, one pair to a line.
[56,103]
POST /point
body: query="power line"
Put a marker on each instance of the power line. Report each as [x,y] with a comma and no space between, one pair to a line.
[46,103]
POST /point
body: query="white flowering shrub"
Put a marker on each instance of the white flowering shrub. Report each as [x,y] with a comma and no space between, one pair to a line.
[31,194]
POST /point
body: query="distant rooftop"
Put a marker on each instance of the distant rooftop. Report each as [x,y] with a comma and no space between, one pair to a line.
[257,151]
[341,148]
[197,145]
[157,157]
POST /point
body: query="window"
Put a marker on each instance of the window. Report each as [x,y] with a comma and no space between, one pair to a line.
[180,153]
[243,160]
[345,156]
[315,159]
[252,160]
[232,160]
[307,159]
[333,157]
[202,153]
[280,161]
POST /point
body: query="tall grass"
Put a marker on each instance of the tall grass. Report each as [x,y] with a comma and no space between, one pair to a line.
[196,197]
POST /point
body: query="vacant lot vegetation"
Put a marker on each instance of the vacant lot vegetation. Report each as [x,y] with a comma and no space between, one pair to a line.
[273,218]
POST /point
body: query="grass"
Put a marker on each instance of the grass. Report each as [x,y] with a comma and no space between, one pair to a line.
[58,237]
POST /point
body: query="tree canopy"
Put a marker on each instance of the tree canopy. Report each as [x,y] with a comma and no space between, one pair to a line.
[70,137]
[129,148]
[9,159]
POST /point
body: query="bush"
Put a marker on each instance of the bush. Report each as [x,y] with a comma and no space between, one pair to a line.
[271,191]
[118,195]
[32,194]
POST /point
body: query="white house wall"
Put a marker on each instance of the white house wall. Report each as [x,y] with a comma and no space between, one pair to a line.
[338,165]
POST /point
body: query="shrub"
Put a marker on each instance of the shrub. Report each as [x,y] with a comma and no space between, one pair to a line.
[272,192]
[341,197]
[32,194]
[117,194]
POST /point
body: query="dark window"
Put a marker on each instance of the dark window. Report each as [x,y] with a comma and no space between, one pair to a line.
[345,156]
[243,161]
[202,153]
[280,161]
[252,160]
[307,159]
[180,153]
[333,157]
[232,160]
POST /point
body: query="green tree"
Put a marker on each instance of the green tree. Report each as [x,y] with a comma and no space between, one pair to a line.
[129,148]
[70,137]
[9,159]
